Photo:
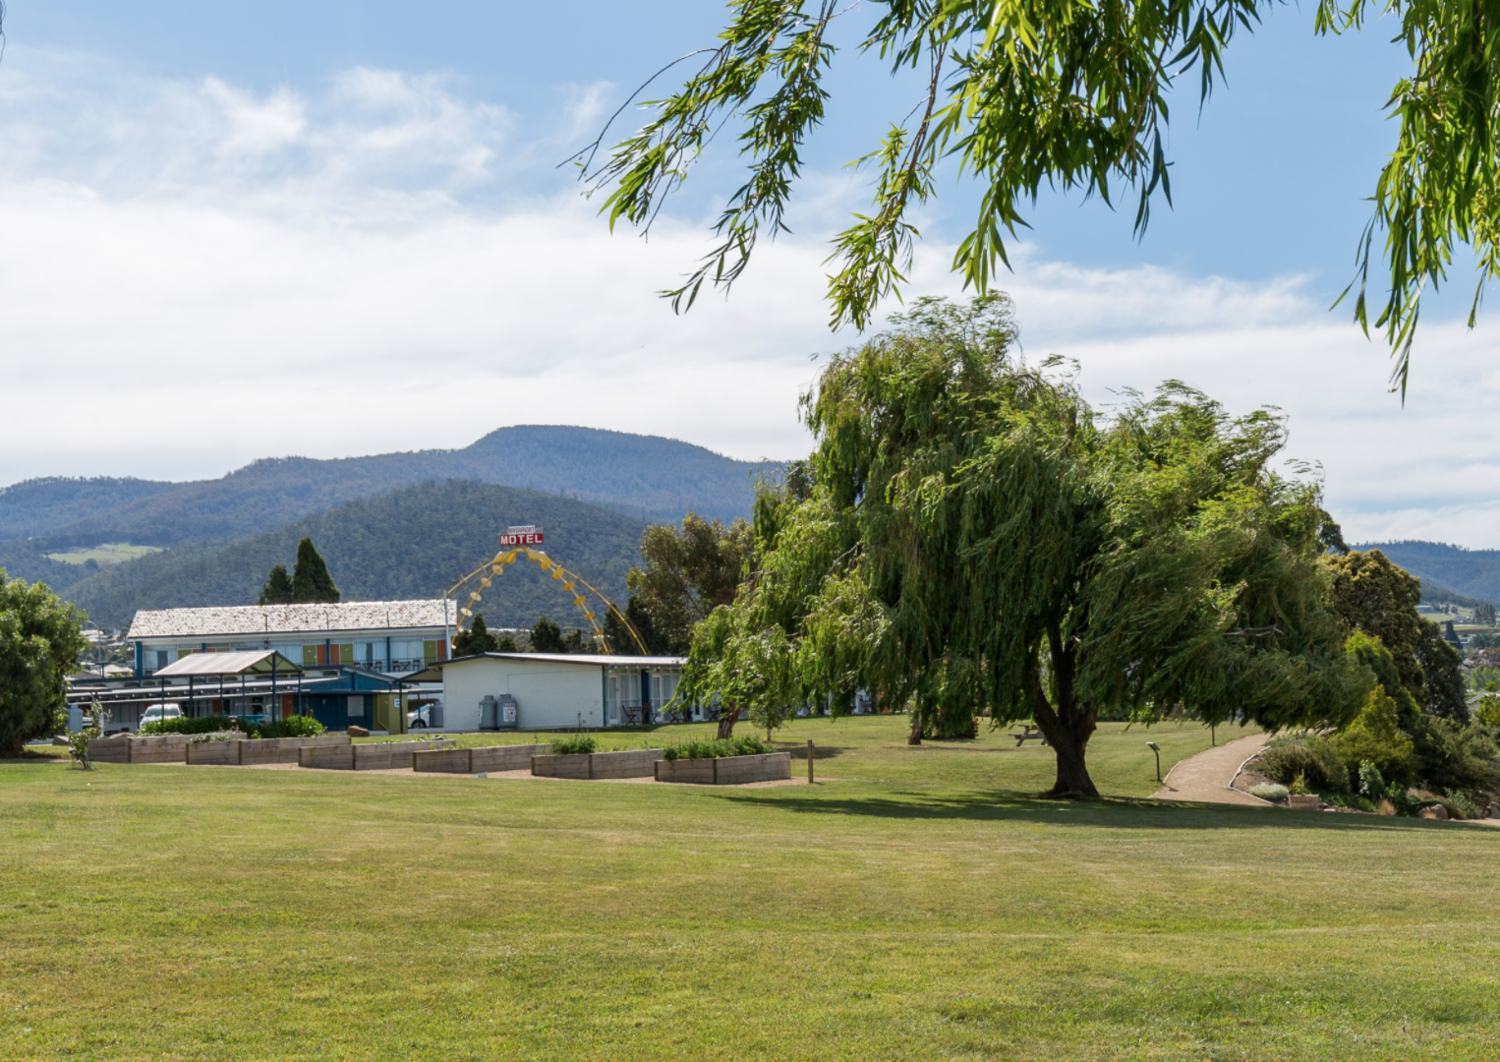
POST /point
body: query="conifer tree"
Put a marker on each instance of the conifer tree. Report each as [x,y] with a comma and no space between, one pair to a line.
[546,637]
[477,639]
[311,583]
[278,588]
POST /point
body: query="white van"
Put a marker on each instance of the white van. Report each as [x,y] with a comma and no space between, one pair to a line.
[159,713]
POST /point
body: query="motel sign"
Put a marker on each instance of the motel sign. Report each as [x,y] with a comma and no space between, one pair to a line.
[526,535]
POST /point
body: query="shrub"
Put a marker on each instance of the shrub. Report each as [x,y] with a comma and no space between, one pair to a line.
[1371,783]
[749,745]
[203,725]
[1451,756]
[1488,711]
[581,745]
[1311,758]
[1375,737]
[1271,791]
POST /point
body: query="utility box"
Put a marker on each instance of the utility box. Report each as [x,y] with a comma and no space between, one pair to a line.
[509,712]
[488,715]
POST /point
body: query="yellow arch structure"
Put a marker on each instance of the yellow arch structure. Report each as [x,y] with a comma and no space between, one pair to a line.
[493,568]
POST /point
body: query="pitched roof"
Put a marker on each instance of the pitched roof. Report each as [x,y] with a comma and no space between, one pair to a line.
[262,663]
[288,619]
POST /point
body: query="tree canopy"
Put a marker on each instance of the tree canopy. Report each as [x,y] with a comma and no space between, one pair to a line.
[477,639]
[969,538]
[278,588]
[1058,93]
[688,572]
[311,583]
[41,638]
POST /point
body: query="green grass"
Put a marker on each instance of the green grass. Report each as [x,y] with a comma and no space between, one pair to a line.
[108,554]
[920,906]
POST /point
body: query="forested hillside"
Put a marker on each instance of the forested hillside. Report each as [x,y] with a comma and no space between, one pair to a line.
[1471,572]
[413,542]
[644,476]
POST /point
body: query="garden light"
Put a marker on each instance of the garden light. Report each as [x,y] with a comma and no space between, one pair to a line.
[1156,749]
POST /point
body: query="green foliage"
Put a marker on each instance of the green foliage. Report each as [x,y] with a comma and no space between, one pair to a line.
[1453,756]
[291,726]
[1299,786]
[1484,613]
[1489,711]
[1272,791]
[1376,597]
[1443,680]
[311,583]
[203,724]
[969,536]
[575,745]
[744,745]
[40,638]
[79,742]
[505,644]
[620,639]
[688,572]
[278,589]
[1484,678]
[546,637]
[477,639]
[1308,757]
[1371,782]
[1484,640]
[1375,740]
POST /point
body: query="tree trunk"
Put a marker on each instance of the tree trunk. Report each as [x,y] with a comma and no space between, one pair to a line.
[915,737]
[726,722]
[1068,727]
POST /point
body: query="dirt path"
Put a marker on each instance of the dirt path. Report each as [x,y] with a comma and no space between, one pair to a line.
[1203,777]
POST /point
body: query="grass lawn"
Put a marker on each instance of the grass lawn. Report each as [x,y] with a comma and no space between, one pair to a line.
[918,905]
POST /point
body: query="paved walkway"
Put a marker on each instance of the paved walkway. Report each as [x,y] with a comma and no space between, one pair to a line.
[1204,776]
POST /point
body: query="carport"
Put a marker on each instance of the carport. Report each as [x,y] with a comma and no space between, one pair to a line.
[208,677]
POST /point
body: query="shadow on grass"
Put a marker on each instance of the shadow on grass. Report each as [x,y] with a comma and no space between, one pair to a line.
[1108,813]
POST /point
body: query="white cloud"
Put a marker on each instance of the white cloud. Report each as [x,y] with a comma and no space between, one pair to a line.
[193,275]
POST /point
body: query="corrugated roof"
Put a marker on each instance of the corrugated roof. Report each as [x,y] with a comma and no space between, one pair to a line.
[287,619]
[258,663]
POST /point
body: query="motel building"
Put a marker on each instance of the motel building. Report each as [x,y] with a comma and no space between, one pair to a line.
[352,664]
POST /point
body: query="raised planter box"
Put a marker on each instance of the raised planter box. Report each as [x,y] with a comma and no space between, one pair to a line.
[286,750]
[329,757]
[110,750]
[441,761]
[162,748]
[570,766]
[1303,802]
[392,755]
[633,763]
[727,770]
[504,757]
[223,753]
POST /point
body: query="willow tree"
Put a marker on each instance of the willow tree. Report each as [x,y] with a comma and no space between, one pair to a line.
[1070,94]
[976,541]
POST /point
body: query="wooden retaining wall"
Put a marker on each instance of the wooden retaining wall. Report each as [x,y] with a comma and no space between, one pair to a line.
[224,753]
[441,761]
[392,755]
[333,757]
[727,770]
[110,750]
[634,763]
[504,757]
[286,750]
[571,766]
[161,748]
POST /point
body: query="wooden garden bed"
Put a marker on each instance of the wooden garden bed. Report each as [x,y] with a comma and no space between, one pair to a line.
[474,760]
[632,763]
[727,770]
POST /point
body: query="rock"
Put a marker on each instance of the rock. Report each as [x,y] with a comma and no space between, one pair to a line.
[59,740]
[1494,812]
[358,731]
[1434,811]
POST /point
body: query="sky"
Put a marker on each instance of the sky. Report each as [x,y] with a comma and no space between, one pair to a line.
[337,228]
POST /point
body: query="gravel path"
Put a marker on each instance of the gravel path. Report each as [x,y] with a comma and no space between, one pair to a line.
[1204,777]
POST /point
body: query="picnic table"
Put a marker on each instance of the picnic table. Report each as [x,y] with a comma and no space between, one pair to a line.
[1030,733]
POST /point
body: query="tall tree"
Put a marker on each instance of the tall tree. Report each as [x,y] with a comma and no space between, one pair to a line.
[689,571]
[311,583]
[546,637]
[978,540]
[278,588]
[477,639]
[1069,94]
[1375,596]
[621,641]
[41,638]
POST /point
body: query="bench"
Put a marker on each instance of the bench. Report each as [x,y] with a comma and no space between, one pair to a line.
[1030,733]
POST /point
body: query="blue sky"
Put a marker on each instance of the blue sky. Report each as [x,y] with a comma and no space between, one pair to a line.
[358,204]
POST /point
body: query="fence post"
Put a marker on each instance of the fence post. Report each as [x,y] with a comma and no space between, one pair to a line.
[809,762]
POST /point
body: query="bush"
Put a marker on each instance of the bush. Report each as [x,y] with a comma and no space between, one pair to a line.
[1375,737]
[1271,791]
[1488,711]
[1312,758]
[1452,756]
[581,745]
[749,745]
[1371,783]
[204,725]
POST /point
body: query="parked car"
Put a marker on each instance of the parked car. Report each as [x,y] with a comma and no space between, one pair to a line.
[419,717]
[160,713]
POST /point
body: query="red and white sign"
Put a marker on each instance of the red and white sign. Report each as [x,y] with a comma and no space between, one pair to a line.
[522,536]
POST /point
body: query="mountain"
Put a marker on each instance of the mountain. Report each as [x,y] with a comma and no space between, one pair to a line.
[645,476]
[1473,573]
[409,543]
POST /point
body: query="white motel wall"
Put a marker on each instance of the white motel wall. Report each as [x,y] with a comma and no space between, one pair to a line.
[554,692]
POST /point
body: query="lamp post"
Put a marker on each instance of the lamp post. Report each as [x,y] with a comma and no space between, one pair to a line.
[1156,750]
